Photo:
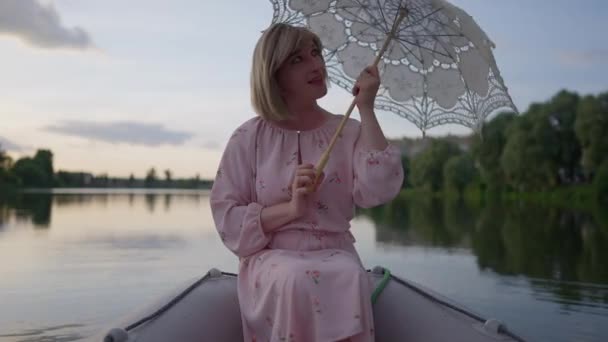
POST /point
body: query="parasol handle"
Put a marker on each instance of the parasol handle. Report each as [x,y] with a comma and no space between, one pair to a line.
[325,156]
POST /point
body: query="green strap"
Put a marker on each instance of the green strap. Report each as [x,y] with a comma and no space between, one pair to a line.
[381,285]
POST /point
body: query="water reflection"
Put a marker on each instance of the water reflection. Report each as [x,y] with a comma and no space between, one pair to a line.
[563,253]
[507,238]
[151,202]
[35,209]
[517,256]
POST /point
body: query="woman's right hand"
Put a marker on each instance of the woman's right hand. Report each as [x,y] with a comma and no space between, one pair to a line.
[301,187]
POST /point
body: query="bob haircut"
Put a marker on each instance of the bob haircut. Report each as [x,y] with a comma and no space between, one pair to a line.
[273,48]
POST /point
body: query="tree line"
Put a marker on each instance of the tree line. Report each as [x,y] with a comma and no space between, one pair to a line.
[559,144]
[562,143]
[38,172]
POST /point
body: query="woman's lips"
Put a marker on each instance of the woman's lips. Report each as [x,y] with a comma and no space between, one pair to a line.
[316,81]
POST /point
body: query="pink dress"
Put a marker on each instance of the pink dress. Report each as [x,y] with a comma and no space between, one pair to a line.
[304,281]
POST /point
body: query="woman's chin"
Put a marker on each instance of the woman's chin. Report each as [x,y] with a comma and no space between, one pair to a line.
[319,93]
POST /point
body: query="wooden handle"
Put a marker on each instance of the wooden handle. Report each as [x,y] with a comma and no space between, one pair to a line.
[325,156]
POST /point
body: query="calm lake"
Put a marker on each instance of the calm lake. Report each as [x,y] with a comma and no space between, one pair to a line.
[71,262]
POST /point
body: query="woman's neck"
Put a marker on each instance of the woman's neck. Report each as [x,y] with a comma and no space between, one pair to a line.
[304,116]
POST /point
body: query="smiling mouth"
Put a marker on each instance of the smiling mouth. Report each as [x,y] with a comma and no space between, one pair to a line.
[317,80]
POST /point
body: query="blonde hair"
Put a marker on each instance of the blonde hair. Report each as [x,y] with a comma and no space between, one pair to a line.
[273,48]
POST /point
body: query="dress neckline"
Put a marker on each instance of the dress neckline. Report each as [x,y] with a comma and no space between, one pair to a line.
[329,118]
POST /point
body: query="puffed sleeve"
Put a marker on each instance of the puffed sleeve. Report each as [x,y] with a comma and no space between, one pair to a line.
[236,215]
[378,174]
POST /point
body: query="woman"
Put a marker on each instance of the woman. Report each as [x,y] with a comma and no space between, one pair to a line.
[300,277]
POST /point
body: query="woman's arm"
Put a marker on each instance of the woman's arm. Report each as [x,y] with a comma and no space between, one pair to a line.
[377,164]
[237,217]
[280,214]
[366,87]
[276,216]
[372,137]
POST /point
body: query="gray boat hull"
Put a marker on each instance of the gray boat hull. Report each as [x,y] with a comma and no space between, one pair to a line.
[208,310]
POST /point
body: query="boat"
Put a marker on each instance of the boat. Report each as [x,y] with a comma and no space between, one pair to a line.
[207,309]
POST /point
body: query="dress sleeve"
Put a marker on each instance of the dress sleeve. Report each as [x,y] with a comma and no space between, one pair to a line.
[378,174]
[236,215]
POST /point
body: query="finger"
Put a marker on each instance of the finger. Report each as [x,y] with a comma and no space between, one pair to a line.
[368,71]
[305,166]
[373,70]
[370,76]
[366,81]
[302,191]
[305,172]
[317,179]
[317,182]
[303,180]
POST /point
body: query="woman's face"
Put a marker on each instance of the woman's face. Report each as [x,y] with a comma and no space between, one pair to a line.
[302,75]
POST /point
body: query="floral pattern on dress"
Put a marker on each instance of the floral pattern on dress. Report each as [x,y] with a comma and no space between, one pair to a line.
[290,338]
[316,232]
[320,143]
[314,275]
[316,303]
[328,258]
[287,190]
[292,159]
[322,208]
[335,179]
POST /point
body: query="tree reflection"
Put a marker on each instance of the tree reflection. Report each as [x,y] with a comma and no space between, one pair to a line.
[35,208]
[151,202]
[560,251]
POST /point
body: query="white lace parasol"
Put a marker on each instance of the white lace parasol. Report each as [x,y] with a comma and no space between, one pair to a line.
[438,66]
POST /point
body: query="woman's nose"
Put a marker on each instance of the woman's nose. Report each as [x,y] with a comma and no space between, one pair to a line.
[317,64]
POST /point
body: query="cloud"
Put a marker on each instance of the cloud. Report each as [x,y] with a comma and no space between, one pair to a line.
[122,132]
[39,25]
[584,58]
[7,145]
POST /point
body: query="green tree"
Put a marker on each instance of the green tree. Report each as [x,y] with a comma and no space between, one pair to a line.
[561,113]
[44,158]
[592,130]
[29,173]
[151,177]
[427,167]
[37,171]
[3,158]
[7,177]
[168,175]
[487,149]
[541,151]
[405,162]
[458,172]
[524,160]
[601,182]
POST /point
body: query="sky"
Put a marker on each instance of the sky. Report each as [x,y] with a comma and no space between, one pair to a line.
[118,87]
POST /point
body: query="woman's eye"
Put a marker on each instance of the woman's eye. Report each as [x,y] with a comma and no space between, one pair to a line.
[315,52]
[296,59]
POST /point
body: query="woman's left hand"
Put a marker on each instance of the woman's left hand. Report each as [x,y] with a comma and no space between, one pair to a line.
[366,88]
